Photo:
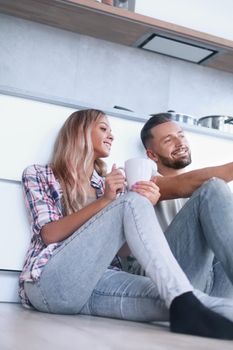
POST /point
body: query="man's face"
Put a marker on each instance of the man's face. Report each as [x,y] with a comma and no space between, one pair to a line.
[169,147]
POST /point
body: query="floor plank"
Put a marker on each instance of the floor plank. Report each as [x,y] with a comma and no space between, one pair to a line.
[22,329]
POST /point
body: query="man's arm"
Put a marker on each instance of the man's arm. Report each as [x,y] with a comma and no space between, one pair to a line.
[182,186]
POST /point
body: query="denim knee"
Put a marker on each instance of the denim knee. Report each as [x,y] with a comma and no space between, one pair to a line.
[137,199]
[214,184]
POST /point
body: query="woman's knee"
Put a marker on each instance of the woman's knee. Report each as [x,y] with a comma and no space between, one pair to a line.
[137,199]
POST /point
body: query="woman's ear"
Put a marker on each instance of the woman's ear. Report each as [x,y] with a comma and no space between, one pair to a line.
[151,155]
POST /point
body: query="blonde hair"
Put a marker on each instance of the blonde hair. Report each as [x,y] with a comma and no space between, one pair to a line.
[73,157]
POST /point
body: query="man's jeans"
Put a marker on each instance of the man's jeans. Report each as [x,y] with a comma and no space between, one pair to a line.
[75,280]
[192,245]
[201,238]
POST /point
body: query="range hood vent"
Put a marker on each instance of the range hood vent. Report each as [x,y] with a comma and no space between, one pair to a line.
[176,48]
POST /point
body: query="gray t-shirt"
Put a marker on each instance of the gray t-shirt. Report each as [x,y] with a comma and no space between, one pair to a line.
[166,211]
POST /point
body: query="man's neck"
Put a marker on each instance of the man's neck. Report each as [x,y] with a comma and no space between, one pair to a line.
[165,171]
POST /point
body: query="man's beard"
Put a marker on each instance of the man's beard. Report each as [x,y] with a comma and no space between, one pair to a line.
[177,163]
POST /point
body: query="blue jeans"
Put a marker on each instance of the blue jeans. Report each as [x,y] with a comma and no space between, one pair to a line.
[201,239]
[218,284]
[192,245]
[76,280]
[69,278]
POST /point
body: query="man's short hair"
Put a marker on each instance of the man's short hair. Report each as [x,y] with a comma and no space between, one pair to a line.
[155,120]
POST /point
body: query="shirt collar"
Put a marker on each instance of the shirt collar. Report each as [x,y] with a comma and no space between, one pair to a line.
[97,180]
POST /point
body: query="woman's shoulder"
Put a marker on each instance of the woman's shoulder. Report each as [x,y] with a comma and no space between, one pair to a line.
[36,170]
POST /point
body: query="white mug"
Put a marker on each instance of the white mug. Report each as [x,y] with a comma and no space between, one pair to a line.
[139,169]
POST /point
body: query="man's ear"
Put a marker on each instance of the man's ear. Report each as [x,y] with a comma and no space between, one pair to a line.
[151,155]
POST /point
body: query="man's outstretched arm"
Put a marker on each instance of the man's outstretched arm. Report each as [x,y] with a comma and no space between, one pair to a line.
[182,186]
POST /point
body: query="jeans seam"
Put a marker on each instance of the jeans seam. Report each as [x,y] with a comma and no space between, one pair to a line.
[121,295]
[137,227]
[209,282]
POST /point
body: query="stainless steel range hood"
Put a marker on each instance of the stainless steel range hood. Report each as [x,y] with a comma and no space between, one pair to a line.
[176,48]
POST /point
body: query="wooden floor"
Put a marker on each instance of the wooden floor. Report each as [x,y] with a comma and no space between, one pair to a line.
[22,329]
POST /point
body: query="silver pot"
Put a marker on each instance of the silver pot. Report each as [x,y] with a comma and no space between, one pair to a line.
[219,122]
[183,118]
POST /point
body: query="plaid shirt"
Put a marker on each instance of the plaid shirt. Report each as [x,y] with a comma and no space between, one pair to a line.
[43,193]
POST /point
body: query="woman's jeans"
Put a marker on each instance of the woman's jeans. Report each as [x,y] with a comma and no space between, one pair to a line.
[76,279]
[76,273]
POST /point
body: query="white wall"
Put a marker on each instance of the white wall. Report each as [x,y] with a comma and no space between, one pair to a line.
[210,16]
[29,128]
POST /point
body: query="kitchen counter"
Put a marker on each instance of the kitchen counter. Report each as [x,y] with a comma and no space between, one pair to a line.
[95,19]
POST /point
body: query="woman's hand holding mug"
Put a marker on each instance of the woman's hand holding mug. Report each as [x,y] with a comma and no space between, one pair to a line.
[147,189]
[114,183]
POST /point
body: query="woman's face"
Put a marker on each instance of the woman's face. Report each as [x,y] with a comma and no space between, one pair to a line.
[102,138]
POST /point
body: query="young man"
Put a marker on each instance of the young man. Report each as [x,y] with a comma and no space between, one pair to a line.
[166,144]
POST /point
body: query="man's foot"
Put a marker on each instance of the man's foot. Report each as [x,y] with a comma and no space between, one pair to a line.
[189,316]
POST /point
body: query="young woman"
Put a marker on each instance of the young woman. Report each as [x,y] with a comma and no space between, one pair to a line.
[80,220]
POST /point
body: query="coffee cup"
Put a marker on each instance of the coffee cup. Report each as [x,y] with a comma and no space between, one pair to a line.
[139,169]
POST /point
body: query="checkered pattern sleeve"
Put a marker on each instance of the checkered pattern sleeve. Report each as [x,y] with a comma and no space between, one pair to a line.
[41,196]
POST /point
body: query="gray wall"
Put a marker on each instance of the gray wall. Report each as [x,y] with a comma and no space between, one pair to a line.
[41,60]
